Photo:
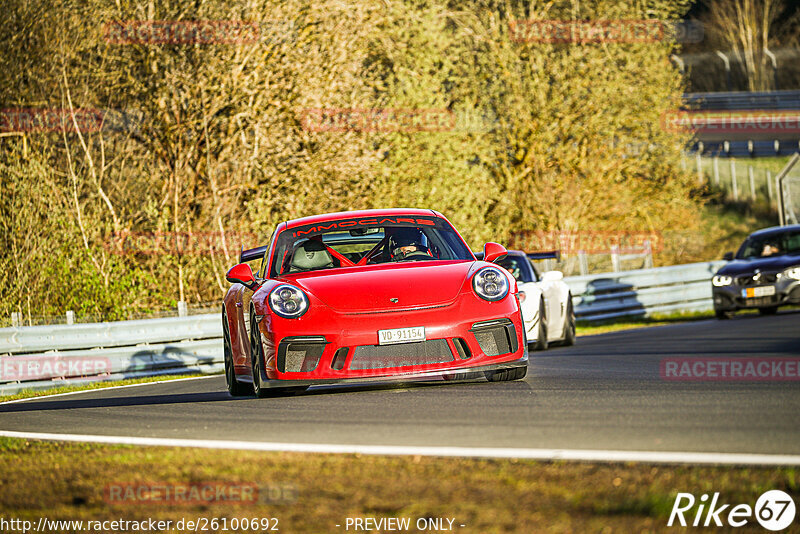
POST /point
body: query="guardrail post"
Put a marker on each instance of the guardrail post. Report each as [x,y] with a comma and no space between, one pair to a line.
[716,170]
[70,317]
[583,262]
[615,258]
[734,185]
[182,309]
[648,255]
[752,182]
[16,319]
[700,177]
[779,186]
[769,187]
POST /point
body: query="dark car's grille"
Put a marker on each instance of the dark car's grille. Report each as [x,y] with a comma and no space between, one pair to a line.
[401,355]
[758,279]
[760,301]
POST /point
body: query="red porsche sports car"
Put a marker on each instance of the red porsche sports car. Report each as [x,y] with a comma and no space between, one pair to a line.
[369,295]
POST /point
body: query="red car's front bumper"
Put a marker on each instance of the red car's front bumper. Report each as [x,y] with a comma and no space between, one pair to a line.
[325,346]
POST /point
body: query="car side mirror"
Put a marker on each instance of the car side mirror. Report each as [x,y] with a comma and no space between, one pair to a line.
[493,251]
[552,276]
[241,274]
[728,256]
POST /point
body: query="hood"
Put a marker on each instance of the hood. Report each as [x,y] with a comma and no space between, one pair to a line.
[370,288]
[771,264]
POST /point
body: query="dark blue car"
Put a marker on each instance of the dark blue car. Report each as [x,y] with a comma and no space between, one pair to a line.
[764,274]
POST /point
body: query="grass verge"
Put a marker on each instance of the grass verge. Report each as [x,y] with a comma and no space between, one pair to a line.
[314,493]
[585,328]
[29,393]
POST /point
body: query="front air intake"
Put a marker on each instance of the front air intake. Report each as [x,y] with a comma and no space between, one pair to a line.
[496,337]
[300,354]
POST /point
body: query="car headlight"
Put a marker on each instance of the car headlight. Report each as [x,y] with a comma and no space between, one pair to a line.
[288,301]
[794,272]
[720,280]
[490,284]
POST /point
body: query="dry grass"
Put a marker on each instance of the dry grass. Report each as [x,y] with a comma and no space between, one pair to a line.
[67,480]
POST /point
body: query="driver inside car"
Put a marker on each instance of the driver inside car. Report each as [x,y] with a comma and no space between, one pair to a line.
[407,244]
[770,249]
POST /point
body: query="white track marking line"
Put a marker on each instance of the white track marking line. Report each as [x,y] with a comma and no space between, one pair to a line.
[40,397]
[586,455]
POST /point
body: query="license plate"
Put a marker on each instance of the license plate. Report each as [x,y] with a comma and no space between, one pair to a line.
[401,335]
[753,292]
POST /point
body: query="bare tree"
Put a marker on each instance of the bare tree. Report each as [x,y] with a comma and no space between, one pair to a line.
[747,28]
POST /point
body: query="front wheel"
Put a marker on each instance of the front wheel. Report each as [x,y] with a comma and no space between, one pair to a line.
[506,375]
[235,388]
[259,388]
[723,315]
[541,332]
[569,324]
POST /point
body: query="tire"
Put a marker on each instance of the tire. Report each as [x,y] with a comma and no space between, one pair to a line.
[257,360]
[569,325]
[541,334]
[235,388]
[772,310]
[506,375]
[723,315]
[257,356]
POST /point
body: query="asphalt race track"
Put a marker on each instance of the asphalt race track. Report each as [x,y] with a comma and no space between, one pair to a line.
[605,393]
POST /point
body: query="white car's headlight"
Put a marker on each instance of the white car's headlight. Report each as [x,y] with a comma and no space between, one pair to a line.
[793,272]
[721,280]
[288,301]
[490,284]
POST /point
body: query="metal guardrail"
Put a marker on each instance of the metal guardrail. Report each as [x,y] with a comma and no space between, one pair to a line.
[39,357]
[743,100]
[27,339]
[643,292]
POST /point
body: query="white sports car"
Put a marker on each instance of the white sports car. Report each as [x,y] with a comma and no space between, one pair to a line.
[543,296]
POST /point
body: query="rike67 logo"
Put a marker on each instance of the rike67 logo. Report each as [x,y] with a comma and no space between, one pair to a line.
[774,510]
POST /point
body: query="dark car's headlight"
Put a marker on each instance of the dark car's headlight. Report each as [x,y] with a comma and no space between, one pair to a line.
[490,284]
[288,301]
[720,280]
[793,272]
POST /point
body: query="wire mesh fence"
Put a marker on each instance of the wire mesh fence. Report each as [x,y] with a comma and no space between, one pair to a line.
[739,180]
[791,197]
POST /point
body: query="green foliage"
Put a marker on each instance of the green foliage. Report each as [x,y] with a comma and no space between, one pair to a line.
[215,139]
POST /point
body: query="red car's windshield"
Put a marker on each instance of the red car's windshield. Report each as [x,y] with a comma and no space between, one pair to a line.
[351,243]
